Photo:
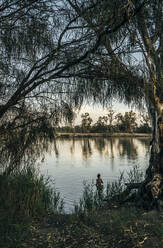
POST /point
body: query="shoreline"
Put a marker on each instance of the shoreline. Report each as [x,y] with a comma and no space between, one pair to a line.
[58,134]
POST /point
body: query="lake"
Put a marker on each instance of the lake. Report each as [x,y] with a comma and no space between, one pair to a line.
[70,161]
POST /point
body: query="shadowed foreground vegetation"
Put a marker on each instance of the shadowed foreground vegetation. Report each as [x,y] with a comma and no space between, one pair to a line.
[32,216]
[24,196]
[115,228]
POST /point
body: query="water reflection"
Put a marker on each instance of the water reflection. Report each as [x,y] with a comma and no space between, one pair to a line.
[26,148]
[81,158]
[128,147]
[71,160]
[86,148]
[112,147]
[100,144]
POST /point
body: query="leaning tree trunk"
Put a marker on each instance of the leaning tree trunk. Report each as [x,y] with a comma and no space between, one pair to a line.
[153,185]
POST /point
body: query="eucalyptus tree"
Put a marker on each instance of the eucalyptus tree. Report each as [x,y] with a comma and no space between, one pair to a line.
[127,64]
[86,122]
[145,124]
[33,95]
[40,45]
[111,117]
[33,59]
[101,124]
[126,122]
[42,57]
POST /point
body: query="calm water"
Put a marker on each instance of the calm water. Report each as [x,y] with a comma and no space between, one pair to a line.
[71,161]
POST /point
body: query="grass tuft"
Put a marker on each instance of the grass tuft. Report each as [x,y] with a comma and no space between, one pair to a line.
[24,195]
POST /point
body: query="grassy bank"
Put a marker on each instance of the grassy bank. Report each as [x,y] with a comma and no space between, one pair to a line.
[32,216]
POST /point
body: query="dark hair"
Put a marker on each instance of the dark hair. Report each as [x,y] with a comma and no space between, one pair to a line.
[98,175]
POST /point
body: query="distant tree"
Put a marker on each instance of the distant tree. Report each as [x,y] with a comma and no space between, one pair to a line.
[144,119]
[111,117]
[86,122]
[145,125]
[126,122]
[102,121]
[130,120]
[119,122]
[101,124]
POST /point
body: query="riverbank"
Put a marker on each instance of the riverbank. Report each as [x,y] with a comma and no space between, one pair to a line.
[115,228]
[69,135]
[32,216]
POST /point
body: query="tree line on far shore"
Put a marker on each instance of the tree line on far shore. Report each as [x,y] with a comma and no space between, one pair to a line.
[129,122]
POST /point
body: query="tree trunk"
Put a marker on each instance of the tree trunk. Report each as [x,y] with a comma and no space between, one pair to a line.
[153,185]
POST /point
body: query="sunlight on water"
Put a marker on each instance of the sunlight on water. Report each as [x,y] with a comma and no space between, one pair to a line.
[71,161]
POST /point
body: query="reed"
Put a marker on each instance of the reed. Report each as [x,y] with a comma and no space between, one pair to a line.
[90,200]
[23,195]
[113,193]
